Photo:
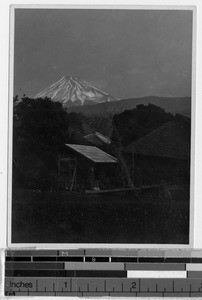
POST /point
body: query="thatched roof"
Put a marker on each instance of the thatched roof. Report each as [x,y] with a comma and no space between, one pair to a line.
[171,140]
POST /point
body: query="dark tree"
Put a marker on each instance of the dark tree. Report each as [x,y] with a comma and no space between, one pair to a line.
[39,129]
[131,125]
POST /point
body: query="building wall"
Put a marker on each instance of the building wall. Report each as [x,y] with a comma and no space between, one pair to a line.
[88,174]
[153,170]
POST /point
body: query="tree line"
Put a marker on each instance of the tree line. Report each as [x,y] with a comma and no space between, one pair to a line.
[41,127]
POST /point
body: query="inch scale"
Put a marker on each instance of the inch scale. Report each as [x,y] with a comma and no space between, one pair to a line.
[85,287]
[91,272]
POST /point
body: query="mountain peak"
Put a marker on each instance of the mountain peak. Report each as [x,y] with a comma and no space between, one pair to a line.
[72,91]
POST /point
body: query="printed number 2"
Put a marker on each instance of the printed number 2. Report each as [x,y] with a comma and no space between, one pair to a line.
[134,285]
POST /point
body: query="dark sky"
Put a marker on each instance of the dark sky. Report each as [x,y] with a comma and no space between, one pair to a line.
[128,53]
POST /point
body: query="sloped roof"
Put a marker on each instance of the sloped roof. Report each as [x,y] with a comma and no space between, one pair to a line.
[93,153]
[171,140]
[97,139]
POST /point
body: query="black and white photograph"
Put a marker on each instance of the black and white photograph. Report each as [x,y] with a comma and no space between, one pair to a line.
[101,118]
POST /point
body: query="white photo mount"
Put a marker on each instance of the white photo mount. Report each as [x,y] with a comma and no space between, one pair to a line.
[11,95]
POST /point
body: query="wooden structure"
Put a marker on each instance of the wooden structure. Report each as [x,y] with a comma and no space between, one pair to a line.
[82,167]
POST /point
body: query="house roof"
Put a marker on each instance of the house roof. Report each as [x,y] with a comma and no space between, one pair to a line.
[97,139]
[93,153]
[171,140]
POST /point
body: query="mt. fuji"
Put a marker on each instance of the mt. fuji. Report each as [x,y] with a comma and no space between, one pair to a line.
[71,91]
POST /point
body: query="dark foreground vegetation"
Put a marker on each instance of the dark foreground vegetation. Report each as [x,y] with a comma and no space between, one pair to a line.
[59,217]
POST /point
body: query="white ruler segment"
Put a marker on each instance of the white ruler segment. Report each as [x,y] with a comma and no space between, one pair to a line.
[156,274]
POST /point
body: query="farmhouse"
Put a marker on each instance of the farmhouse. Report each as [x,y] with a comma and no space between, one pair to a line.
[162,155]
[82,167]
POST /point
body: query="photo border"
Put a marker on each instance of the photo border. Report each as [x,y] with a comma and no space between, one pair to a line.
[193,8]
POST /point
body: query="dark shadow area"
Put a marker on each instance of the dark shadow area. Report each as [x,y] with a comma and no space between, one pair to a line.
[61,217]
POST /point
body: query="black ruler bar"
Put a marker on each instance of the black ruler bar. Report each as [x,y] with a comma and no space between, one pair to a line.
[18,258]
[177,259]
[124,259]
[151,259]
[96,259]
[37,273]
[196,260]
[44,258]
[70,258]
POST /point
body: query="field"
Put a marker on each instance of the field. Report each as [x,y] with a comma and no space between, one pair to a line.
[59,217]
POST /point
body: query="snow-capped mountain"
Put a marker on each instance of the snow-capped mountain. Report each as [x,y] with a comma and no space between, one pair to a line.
[71,91]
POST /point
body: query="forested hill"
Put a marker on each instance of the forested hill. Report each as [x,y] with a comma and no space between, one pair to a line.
[180,106]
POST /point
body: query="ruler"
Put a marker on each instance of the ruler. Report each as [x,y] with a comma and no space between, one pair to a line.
[91,272]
